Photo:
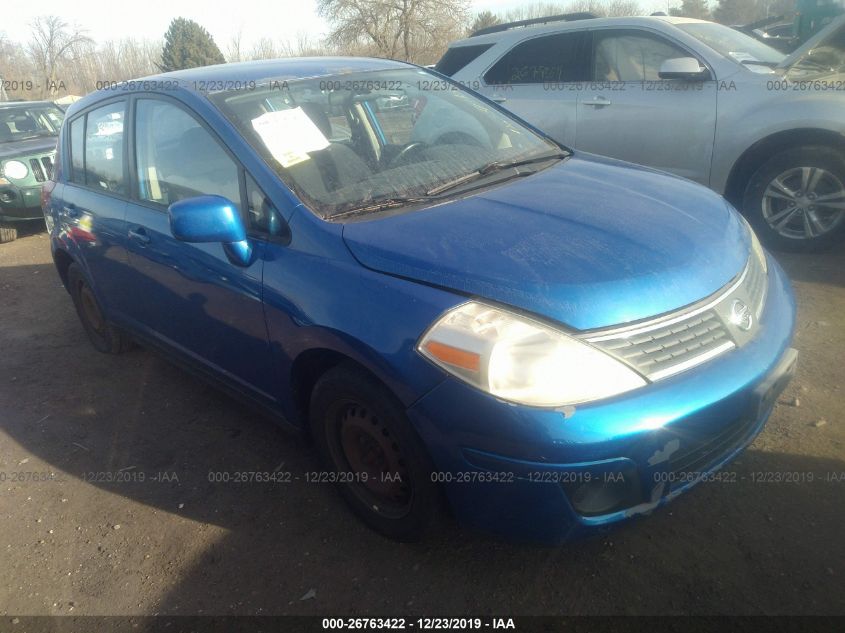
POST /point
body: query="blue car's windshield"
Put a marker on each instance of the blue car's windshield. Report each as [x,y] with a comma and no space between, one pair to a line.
[356,142]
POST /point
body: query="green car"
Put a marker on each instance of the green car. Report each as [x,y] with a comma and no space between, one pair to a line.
[28,134]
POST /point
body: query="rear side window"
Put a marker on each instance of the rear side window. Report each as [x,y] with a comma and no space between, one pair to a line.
[551,58]
[96,148]
[77,150]
[104,148]
[178,158]
[631,56]
[458,57]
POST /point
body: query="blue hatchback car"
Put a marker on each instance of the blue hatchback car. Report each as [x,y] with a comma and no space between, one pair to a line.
[452,305]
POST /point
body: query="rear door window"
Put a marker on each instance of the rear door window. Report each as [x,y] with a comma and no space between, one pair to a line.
[96,148]
[104,148]
[459,57]
[77,150]
[551,58]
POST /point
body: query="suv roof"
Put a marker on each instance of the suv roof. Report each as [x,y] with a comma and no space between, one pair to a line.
[518,30]
[506,26]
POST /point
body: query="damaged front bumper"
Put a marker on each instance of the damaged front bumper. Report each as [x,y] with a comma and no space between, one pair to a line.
[550,476]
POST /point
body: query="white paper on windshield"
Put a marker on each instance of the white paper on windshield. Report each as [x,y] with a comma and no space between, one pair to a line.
[743,57]
[289,135]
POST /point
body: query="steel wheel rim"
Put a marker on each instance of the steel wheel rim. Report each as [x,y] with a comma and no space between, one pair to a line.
[373,459]
[90,308]
[804,203]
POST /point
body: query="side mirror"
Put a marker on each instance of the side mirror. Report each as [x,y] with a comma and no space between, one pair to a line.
[211,219]
[683,68]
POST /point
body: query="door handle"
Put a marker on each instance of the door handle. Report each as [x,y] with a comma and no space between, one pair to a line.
[139,235]
[498,99]
[71,211]
[598,101]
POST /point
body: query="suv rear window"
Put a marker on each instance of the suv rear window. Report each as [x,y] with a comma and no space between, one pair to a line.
[559,57]
[458,57]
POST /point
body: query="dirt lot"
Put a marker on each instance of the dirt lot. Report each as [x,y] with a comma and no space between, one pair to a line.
[175,543]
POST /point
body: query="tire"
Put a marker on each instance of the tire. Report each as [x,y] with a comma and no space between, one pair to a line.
[104,336]
[8,233]
[360,430]
[788,199]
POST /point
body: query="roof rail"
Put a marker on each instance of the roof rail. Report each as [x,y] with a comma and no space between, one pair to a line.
[566,17]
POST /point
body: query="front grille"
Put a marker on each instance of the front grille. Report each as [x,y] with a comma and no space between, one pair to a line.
[42,168]
[659,350]
[37,171]
[675,342]
[47,161]
[700,457]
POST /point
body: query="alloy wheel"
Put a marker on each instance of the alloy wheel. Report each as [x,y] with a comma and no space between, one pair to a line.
[804,203]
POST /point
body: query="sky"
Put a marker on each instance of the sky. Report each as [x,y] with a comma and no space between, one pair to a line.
[279,20]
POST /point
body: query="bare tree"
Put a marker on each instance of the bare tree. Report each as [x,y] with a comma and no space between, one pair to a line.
[233,52]
[533,11]
[264,48]
[304,46]
[413,30]
[53,42]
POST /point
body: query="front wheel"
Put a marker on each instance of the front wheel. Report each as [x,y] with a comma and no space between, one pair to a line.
[372,453]
[796,200]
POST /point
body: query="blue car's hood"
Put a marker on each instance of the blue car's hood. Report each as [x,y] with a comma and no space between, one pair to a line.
[589,243]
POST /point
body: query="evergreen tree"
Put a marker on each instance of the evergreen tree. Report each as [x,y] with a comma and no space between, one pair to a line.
[188,45]
[483,20]
[698,9]
[735,12]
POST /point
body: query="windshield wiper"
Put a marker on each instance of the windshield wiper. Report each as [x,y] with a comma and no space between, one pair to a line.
[380,205]
[490,168]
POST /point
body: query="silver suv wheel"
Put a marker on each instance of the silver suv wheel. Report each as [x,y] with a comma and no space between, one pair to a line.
[796,199]
[804,203]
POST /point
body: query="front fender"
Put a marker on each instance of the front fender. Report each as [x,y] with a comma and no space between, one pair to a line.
[753,115]
[323,299]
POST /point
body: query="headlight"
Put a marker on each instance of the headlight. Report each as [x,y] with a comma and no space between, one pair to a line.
[15,169]
[757,250]
[515,358]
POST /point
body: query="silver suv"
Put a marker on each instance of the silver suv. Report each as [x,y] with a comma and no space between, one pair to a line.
[695,98]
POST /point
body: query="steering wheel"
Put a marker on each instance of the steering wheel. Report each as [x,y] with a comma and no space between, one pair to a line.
[405,152]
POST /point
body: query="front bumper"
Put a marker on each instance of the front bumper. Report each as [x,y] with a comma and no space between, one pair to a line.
[550,476]
[20,203]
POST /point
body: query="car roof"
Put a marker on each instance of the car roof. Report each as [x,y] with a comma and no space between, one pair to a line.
[557,26]
[290,68]
[207,79]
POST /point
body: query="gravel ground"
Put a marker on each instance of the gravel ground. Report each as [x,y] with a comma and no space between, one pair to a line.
[78,538]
